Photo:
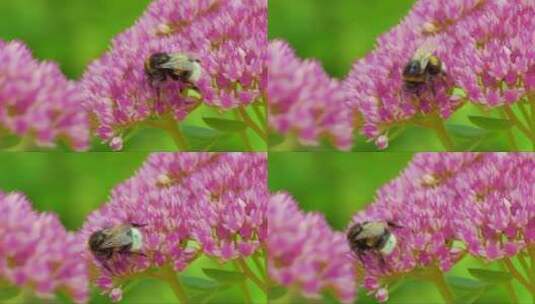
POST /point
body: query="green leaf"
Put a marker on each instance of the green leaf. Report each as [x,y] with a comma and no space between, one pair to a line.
[490,276]
[224,276]
[493,124]
[9,141]
[276,292]
[275,139]
[202,139]
[7,293]
[465,132]
[199,283]
[470,297]
[225,125]
[464,284]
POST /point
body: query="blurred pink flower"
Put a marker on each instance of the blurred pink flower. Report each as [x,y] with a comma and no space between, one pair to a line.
[190,204]
[38,102]
[305,253]
[229,37]
[37,253]
[305,100]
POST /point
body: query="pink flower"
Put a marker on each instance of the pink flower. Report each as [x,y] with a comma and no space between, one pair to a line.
[37,253]
[484,54]
[304,252]
[228,37]
[303,99]
[38,102]
[482,201]
[189,204]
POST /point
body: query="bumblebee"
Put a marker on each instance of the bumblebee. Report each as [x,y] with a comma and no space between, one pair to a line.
[372,237]
[119,239]
[421,69]
[177,66]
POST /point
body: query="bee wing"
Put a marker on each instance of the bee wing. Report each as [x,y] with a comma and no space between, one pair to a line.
[117,237]
[180,62]
[371,230]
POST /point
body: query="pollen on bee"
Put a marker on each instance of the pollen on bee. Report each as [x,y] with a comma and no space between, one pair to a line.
[163,180]
[163,29]
[429,180]
[429,28]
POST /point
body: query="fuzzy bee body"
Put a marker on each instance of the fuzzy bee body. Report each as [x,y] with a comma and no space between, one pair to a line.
[372,237]
[421,69]
[119,239]
[176,66]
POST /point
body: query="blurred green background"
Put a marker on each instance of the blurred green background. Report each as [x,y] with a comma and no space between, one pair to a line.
[74,184]
[340,184]
[337,33]
[73,33]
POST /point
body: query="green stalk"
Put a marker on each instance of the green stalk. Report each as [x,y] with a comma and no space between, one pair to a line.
[167,274]
[244,288]
[243,134]
[525,114]
[259,115]
[438,278]
[259,266]
[509,287]
[510,136]
[512,117]
[250,275]
[251,124]
[170,125]
[437,124]
[518,276]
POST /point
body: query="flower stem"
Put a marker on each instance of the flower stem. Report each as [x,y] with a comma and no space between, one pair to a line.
[509,287]
[259,266]
[171,126]
[525,114]
[168,275]
[250,275]
[244,288]
[511,115]
[251,124]
[259,114]
[437,124]
[243,134]
[438,278]
[518,276]
[510,136]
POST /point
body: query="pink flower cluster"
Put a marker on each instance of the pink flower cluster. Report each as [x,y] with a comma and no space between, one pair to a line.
[305,100]
[453,203]
[304,252]
[189,204]
[37,253]
[227,36]
[482,45]
[38,102]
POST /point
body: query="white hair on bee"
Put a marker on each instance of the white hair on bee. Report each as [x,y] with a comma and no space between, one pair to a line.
[137,239]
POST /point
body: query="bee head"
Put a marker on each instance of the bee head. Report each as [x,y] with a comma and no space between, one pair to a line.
[96,239]
[157,59]
[413,68]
